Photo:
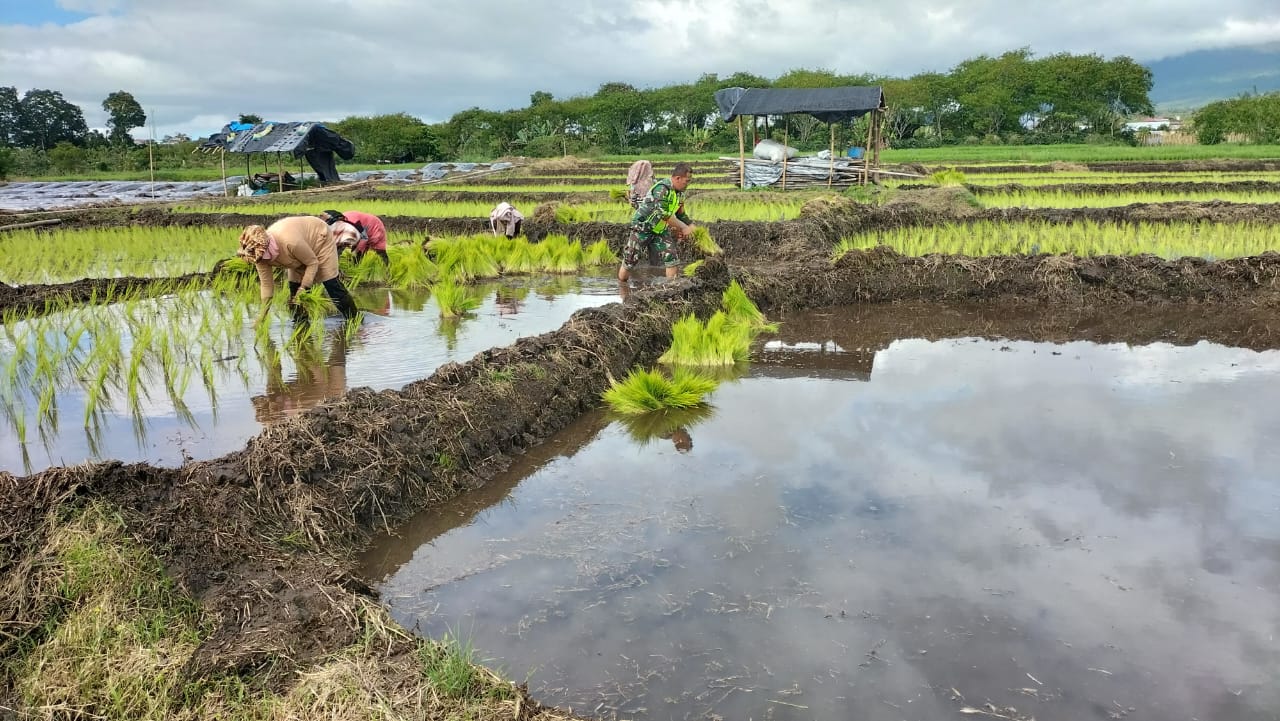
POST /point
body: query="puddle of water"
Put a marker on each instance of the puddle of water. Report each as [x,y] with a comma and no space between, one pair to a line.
[403,340]
[881,526]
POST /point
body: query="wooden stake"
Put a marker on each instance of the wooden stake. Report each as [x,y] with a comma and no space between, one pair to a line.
[866,154]
[831,166]
[742,157]
[280,166]
[225,192]
[784,153]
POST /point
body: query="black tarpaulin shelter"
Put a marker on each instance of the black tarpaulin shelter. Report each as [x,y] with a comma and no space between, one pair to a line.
[830,105]
[310,140]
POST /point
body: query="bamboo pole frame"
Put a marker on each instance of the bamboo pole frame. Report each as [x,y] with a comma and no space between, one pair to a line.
[785,125]
[742,157]
[280,170]
[831,160]
[223,157]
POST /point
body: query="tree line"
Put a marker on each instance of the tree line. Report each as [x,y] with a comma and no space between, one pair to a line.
[1014,97]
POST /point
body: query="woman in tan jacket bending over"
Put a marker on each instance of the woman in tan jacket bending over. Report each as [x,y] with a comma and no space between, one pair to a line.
[303,246]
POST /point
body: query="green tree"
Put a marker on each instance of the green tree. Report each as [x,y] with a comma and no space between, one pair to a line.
[397,138]
[124,114]
[45,118]
[10,116]
[249,118]
[618,112]
[66,157]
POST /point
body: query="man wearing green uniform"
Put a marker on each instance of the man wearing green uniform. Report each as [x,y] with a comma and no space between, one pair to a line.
[651,224]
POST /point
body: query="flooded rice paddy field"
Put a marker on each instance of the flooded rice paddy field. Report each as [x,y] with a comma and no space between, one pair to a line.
[402,339]
[879,519]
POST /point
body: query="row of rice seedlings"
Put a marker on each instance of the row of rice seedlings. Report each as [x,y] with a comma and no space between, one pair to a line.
[59,256]
[1060,199]
[1081,238]
[122,353]
[1112,178]
[602,187]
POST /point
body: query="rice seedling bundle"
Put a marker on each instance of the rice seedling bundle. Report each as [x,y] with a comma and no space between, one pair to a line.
[454,299]
[691,269]
[702,240]
[646,391]
[740,309]
[599,253]
[411,268]
[370,269]
[718,342]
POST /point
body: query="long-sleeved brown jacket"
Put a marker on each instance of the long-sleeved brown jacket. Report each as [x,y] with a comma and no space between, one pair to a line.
[307,251]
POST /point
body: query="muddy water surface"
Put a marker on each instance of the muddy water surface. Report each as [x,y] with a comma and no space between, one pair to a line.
[403,339]
[882,522]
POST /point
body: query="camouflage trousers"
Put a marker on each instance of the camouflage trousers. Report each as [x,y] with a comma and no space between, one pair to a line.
[660,248]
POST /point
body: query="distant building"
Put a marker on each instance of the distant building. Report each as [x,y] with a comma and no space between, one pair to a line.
[1137,124]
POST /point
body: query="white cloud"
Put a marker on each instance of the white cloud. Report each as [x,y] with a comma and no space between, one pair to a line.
[291,59]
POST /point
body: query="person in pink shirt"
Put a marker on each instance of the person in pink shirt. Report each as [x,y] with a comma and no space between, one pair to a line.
[362,232]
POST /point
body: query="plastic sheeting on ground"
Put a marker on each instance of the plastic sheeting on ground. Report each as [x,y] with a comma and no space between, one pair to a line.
[72,194]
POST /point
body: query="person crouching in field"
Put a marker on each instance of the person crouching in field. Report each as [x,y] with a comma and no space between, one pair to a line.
[303,246]
[362,232]
[651,224]
[506,218]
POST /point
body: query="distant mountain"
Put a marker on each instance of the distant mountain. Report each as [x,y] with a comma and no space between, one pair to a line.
[1192,79]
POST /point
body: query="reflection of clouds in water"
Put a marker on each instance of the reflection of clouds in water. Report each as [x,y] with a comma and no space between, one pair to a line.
[1006,512]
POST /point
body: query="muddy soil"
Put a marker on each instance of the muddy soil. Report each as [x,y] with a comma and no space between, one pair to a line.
[25,298]
[359,463]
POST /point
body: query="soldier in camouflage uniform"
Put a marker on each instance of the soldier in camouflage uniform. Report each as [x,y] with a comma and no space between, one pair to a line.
[651,224]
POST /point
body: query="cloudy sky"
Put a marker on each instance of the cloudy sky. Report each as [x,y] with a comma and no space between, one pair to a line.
[194,65]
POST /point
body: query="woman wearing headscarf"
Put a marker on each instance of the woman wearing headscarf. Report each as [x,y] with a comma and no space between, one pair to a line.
[304,247]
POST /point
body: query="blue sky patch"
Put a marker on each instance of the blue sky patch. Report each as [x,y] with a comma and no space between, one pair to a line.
[37,12]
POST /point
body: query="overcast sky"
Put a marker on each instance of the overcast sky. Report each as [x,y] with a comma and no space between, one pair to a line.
[195,65]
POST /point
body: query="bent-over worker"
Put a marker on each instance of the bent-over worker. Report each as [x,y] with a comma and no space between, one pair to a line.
[506,218]
[303,246]
[362,232]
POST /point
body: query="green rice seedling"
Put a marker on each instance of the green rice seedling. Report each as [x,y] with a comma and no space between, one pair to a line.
[563,255]
[453,299]
[702,240]
[566,213]
[370,270]
[691,269]
[947,177]
[520,259]
[599,253]
[740,309]
[617,193]
[19,416]
[313,304]
[646,391]
[352,327]
[718,342]
[411,268]
[478,261]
